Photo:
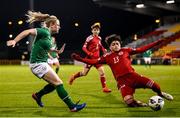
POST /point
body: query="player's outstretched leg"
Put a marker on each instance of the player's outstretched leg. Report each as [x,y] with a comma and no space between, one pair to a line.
[156,88]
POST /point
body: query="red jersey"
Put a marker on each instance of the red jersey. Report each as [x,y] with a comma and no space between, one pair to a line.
[93,45]
[119,62]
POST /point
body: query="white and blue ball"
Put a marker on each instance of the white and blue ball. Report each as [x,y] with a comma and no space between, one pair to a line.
[156,103]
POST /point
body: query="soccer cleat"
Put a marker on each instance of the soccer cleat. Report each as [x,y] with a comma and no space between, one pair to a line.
[78,107]
[167,96]
[38,100]
[71,80]
[141,104]
[106,90]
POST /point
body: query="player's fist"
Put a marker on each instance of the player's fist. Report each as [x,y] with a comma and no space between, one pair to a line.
[11,43]
[75,56]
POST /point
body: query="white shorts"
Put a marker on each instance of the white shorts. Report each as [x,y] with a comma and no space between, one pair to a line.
[39,69]
[52,61]
[147,59]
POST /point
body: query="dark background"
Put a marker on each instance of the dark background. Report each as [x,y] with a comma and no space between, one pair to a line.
[83,12]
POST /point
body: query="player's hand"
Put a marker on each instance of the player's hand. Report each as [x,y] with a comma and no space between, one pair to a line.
[90,54]
[75,56]
[50,57]
[105,51]
[11,43]
[58,56]
[58,51]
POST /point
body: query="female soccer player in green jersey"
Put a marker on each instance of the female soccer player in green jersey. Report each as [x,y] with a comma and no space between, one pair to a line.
[39,54]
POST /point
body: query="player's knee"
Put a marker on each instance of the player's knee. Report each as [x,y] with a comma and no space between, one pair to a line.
[129,100]
[102,74]
[83,73]
[57,82]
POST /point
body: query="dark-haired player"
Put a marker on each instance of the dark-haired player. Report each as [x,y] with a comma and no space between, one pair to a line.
[127,79]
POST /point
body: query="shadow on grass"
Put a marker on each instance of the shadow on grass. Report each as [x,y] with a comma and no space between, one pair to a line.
[108,98]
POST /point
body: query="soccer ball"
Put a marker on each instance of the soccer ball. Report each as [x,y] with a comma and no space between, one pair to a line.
[156,103]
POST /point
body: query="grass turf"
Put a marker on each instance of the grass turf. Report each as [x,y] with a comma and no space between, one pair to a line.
[17,84]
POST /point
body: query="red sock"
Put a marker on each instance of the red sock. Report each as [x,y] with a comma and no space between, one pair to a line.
[103,81]
[77,75]
[156,88]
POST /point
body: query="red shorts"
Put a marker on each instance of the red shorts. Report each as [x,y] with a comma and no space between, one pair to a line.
[131,81]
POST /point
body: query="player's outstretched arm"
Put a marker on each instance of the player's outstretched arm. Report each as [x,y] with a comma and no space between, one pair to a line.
[85,60]
[20,36]
[147,47]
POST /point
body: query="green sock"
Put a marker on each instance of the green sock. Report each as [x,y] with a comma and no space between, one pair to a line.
[64,96]
[57,70]
[47,89]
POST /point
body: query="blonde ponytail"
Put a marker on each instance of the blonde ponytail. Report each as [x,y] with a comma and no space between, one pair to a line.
[38,16]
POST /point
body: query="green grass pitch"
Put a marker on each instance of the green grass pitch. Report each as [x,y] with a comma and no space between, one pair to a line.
[17,84]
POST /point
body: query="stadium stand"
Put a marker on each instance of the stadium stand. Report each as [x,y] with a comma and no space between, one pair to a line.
[170,34]
[169,48]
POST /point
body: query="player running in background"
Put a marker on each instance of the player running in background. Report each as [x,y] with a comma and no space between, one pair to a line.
[147,58]
[53,57]
[127,79]
[39,54]
[92,48]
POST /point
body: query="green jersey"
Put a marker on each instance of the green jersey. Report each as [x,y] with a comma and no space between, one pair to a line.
[53,54]
[41,45]
[148,53]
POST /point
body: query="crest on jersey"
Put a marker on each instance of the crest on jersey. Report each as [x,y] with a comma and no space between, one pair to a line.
[120,53]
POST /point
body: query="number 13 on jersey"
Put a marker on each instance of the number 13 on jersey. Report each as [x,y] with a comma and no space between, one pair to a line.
[116,59]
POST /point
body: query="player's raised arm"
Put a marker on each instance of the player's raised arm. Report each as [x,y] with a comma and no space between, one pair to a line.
[62,49]
[20,36]
[58,51]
